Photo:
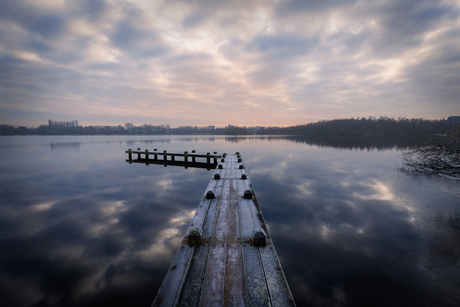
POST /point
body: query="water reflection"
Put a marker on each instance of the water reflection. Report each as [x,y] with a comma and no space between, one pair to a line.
[352,229]
[64,146]
[370,142]
[85,228]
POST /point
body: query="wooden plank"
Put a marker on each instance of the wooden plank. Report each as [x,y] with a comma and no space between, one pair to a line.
[169,290]
[220,228]
[213,287]
[257,217]
[256,291]
[245,217]
[280,294]
[234,277]
[211,214]
[193,283]
[201,212]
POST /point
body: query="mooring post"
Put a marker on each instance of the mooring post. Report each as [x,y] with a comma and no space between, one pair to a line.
[195,237]
[208,158]
[193,158]
[130,154]
[146,154]
[138,154]
[165,157]
[186,156]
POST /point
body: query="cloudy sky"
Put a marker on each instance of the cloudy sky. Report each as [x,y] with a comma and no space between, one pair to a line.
[209,62]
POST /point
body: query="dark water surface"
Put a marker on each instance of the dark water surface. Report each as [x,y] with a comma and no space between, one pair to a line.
[81,227]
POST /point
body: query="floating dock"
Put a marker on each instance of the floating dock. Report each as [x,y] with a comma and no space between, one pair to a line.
[227,257]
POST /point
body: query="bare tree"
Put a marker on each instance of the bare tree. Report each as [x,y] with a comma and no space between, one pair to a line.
[434,158]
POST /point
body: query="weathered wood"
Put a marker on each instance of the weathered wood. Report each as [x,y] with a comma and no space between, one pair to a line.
[224,268]
[176,154]
[280,294]
[208,160]
[193,283]
[254,278]
[213,287]
[167,296]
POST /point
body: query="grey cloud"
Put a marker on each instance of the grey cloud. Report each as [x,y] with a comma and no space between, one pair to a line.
[266,76]
[15,10]
[437,78]
[403,23]
[40,33]
[351,42]
[187,58]
[127,35]
[222,14]
[136,40]
[193,19]
[39,46]
[450,54]
[277,56]
[345,41]
[233,49]
[96,8]
[283,46]
[290,7]
[46,24]
[400,23]
[49,26]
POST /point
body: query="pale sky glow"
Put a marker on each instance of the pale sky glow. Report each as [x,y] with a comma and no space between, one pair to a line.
[279,62]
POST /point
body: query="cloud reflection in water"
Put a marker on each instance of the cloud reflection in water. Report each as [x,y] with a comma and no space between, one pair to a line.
[85,228]
[344,226]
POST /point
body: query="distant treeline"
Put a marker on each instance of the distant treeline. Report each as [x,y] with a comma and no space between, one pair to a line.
[358,126]
[371,125]
[119,130]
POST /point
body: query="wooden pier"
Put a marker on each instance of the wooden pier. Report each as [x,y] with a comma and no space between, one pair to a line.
[165,158]
[162,156]
[227,257]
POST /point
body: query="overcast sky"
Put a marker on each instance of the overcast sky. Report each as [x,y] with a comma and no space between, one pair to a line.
[280,62]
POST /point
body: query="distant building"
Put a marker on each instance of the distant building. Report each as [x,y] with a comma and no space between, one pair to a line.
[453,119]
[211,128]
[73,123]
[230,126]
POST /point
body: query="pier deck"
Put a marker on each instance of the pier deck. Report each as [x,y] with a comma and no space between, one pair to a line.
[227,257]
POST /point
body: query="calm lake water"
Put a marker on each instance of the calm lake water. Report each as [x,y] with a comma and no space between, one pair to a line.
[79,226]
